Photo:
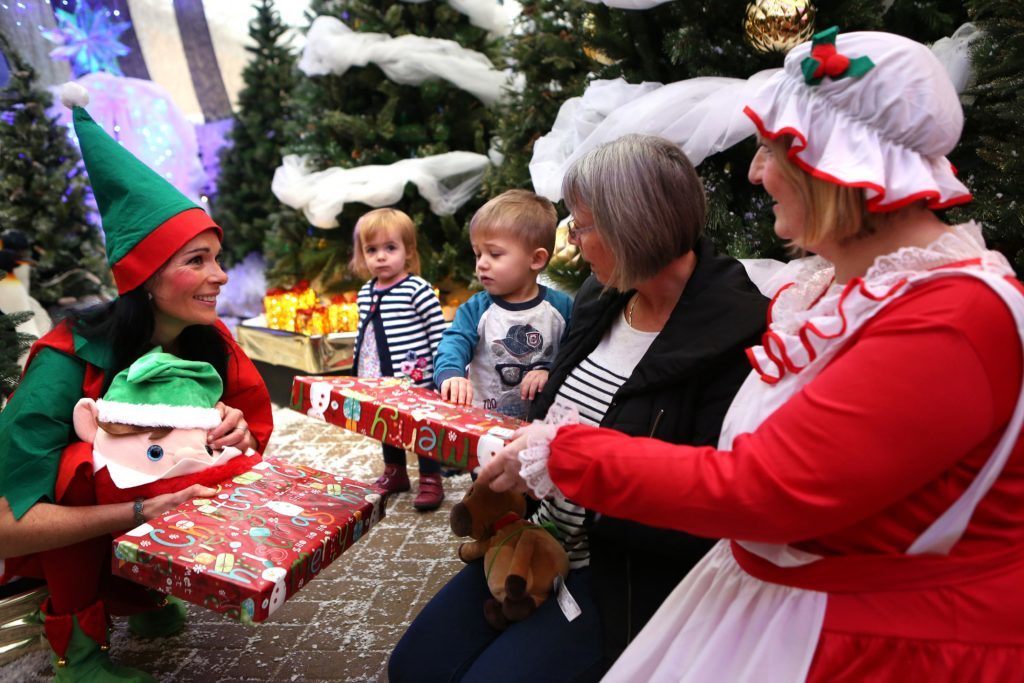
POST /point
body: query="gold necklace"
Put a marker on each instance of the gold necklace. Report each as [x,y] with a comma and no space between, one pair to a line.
[632,307]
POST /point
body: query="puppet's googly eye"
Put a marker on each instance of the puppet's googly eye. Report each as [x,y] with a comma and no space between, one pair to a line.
[154,453]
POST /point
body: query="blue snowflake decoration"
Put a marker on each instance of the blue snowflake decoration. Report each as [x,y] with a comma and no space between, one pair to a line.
[89,39]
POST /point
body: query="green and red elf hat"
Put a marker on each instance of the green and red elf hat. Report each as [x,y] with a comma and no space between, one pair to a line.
[162,390]
[145,218]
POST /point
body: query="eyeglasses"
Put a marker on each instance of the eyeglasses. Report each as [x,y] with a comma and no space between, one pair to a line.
[575,231]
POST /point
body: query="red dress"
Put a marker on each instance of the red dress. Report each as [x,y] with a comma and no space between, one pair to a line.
[854,467]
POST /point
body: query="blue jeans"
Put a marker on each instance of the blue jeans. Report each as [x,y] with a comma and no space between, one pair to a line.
[450,640]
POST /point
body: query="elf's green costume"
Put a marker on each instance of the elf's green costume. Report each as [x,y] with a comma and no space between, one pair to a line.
[146,220]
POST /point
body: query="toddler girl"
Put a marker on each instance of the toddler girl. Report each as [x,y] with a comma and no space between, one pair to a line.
[400,325]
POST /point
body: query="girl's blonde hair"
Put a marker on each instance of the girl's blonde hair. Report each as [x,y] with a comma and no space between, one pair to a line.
[378,221]
[831,211]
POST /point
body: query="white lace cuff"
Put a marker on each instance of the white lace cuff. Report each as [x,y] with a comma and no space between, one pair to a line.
[533,460]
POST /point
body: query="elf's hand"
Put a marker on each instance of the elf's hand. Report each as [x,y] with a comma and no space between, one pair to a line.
[158,505]
[457,390]
[233,430]
[533,383]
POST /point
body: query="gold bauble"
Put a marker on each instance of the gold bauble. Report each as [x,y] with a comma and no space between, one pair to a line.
[564,251]
[779,25]
[589,29]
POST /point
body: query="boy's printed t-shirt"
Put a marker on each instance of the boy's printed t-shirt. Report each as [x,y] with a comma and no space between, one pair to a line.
[501,342]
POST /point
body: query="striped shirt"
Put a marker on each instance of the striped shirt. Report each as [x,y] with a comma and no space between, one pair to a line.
[408,323]
[590,388]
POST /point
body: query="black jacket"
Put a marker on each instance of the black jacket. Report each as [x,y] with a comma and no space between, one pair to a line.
[679,392]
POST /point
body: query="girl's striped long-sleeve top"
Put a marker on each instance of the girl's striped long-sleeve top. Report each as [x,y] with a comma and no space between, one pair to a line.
[408,323]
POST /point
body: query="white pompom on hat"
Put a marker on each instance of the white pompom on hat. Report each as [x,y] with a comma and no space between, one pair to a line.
[74,95]
[885,127]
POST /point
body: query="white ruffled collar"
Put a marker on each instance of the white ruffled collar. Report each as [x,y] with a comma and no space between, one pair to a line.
[813,312]
[814,290]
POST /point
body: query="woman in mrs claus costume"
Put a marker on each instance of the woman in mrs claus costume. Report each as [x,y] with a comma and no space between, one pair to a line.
[870,470]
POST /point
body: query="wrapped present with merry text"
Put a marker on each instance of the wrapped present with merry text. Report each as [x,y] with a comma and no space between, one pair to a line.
[413,418]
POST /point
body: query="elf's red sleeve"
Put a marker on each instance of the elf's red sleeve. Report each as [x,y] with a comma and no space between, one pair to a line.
[898,423]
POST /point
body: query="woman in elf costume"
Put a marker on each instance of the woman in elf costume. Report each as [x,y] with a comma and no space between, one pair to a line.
[871,468]
[163,251]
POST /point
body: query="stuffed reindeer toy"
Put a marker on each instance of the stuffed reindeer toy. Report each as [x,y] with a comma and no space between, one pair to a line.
[521,559]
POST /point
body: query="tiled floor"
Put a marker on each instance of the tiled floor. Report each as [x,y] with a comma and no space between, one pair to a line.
[342,626]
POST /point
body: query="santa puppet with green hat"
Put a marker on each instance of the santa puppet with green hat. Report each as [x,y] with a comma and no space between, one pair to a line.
[163,251]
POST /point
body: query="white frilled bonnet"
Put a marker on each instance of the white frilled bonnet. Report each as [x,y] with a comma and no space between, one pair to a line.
[871,110]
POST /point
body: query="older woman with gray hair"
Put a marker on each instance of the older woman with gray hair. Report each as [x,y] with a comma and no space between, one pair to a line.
[656,347]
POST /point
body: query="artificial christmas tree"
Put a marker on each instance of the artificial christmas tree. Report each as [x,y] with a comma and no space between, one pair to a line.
[13,345]
[244,203]
[675,41]
[549,50]
[43,192]
[364,115]
[991,154]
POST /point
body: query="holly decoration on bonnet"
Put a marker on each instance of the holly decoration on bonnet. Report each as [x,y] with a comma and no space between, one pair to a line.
[825,60]
[149,431]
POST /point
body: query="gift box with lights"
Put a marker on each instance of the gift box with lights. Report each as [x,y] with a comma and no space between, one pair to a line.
[416,419]
[246,550]
[300,310]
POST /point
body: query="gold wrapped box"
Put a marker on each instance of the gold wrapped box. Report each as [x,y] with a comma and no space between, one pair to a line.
[314,354]
[21,630]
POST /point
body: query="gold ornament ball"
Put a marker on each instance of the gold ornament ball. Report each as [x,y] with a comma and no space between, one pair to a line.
[589,30]
[779,25]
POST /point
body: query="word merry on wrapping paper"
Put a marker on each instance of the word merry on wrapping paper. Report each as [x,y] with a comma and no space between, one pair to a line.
[393,412]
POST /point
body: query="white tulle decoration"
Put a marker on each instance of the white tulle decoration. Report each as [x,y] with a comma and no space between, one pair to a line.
[702,115]
[242,296]
[333,48]
[491,15]
[447,181]
[954,53]
[629,4]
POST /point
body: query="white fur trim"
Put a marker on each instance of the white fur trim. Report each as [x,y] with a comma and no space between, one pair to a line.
[157,415]
[74,95]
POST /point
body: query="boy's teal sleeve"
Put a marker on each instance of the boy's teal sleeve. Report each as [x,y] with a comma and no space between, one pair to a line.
[563,304]
[35,427]
[460,339]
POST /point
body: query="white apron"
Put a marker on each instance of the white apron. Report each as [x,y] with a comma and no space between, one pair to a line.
[724,625]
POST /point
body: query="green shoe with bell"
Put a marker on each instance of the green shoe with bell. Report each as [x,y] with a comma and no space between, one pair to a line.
[167,619]
[79,657]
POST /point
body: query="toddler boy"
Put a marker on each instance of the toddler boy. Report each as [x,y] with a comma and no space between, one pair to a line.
[507,335]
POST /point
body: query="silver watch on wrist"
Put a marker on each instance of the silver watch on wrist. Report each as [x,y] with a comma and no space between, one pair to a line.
[140,519]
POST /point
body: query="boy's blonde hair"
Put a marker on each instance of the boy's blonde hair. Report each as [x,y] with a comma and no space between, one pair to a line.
[372,224]
[520,214]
